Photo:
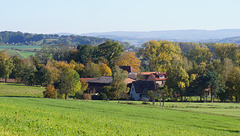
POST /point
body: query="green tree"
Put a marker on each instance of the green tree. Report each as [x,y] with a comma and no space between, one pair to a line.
[152,95]
[118,88]
[200,54]
[91,70]
[27,73]
[177,76]
[110,51]
[69,82]
[213,82]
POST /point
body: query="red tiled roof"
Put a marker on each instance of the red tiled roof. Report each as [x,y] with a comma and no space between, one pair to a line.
[85,79]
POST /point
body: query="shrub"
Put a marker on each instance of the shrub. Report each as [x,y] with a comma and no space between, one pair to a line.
[78,95]
[61,96]
[103,96]
[87,96]
[50,92]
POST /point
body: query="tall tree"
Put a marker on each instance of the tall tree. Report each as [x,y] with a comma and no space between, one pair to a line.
[110,51]
[129,59]
[232,83]
[200,54]
[213,82]
[118,88]
[157,54]
[6,65]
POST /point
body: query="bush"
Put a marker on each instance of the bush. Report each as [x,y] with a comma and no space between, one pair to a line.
[61,96]
[78,95]
[87,96]
[103,96]
[50,92]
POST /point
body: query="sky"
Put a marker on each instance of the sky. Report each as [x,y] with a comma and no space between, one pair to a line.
[86,16]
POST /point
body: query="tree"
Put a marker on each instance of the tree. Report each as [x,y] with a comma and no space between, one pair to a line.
[200,54]
[152,95]
[50,92]
[157,54]
[232,83]
[129,59]
[110,51]
[86,53]
[17,64]
[27,73]
[42,75]
[91,70]
[104,69]
[69,82]
[213,82]
[177,76]
[118,88]
[6,65]
[164,93]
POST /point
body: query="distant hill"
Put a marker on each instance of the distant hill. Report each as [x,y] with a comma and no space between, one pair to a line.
[138,38]
[66,39]
[224,40]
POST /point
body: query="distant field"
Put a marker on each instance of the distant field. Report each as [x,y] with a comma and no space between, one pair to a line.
[13,89]
[38,116]
[22,51]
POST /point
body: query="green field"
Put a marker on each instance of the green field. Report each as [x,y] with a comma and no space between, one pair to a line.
[22,51]
[39,116]
[11,89]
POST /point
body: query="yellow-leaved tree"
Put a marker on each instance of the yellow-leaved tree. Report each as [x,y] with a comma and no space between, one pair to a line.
[129,59]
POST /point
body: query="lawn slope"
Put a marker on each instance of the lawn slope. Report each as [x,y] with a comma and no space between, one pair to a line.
[38,116]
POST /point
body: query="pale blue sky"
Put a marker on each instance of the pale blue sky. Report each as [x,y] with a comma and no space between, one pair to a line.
[83,16]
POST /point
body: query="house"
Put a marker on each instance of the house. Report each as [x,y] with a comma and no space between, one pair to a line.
[140,88]
[129,69]
[96,85]
[158,78]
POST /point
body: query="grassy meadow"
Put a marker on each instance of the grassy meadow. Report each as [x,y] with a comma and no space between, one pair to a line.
[39,116]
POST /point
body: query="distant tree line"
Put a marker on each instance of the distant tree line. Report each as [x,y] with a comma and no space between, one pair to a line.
[19,38]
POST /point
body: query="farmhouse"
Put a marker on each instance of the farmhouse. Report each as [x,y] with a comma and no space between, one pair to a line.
[158,78]
[96,85]
[140,88]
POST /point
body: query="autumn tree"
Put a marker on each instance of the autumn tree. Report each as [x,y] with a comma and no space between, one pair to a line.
[50,92]
[129,59]
[232,83]
[157,54]
[104,69]
[6,65]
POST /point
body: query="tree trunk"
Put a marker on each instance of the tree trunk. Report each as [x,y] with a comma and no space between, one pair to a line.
[160,102]
[66,96]
[5,80]
[163,102]
[211,96]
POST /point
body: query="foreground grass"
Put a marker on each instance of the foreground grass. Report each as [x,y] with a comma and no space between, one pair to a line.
[14,89]
[38,116]
[225,109]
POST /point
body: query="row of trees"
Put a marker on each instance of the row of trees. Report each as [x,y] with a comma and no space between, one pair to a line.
[197,71]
